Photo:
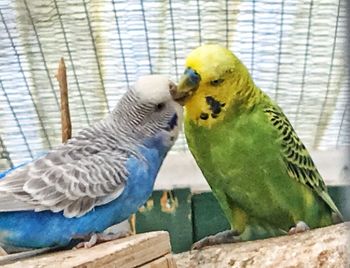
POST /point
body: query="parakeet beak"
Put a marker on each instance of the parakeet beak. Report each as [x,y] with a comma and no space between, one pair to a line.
[188,84]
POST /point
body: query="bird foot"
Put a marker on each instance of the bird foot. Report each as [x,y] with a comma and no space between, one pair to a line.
[100,238]
[224,237]
[300,227]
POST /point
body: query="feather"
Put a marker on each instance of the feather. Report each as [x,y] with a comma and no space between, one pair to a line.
[298,161]
[56,182]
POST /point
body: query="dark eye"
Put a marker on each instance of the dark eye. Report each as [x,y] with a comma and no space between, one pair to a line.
[160,106]
[216,82]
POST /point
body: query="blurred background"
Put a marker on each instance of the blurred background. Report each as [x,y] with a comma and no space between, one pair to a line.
[294,50]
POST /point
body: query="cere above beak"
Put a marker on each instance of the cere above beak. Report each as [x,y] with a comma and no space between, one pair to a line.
[188,84]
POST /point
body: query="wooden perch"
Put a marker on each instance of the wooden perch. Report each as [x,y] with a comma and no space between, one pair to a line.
[61,77]
[149,250]
[324,247]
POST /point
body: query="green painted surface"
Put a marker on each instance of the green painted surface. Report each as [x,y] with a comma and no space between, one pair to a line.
[172,214]
[208,218]
[341,197]
[189,218]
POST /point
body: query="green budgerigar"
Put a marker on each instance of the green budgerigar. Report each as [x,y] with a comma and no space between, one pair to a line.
[257,167]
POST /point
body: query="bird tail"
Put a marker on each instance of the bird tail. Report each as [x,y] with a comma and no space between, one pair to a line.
[25,254]
[336,215]
[4,173]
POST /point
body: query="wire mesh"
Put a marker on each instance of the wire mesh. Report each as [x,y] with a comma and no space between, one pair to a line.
[294,50]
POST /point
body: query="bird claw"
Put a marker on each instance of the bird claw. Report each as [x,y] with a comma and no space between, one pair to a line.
[201,243]
[224,237]
[300,227]
[100,238]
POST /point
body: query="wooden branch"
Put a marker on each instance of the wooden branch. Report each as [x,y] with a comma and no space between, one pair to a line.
[61,77]
[324,247]
[132,223]
[142,250]
[163,262]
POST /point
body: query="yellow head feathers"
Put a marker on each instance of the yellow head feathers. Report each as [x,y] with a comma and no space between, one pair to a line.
[214,81]
[211,62]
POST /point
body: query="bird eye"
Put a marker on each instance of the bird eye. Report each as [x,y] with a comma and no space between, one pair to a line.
[216,82]
[160,106]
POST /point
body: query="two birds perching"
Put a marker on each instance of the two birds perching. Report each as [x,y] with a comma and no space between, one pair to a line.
[257,167]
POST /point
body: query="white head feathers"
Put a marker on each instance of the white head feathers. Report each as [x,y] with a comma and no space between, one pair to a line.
[153,88]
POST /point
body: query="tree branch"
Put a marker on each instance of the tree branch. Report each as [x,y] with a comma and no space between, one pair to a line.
[324,247]
[61,77]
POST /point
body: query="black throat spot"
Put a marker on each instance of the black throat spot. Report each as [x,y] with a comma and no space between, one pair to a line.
[215,105]
[204,116]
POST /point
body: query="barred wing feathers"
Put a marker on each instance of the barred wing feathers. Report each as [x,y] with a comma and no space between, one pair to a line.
[74,178]
[297,159]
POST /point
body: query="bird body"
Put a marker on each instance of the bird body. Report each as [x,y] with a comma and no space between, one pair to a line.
[257,167]
[248,175]
[47,229]
[97,179]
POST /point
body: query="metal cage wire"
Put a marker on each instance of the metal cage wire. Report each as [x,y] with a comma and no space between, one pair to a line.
[293,49]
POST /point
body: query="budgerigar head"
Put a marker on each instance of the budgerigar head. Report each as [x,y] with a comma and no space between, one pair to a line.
[148,112]
[212,73]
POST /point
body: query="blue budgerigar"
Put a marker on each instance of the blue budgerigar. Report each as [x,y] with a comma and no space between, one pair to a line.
[97,179]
